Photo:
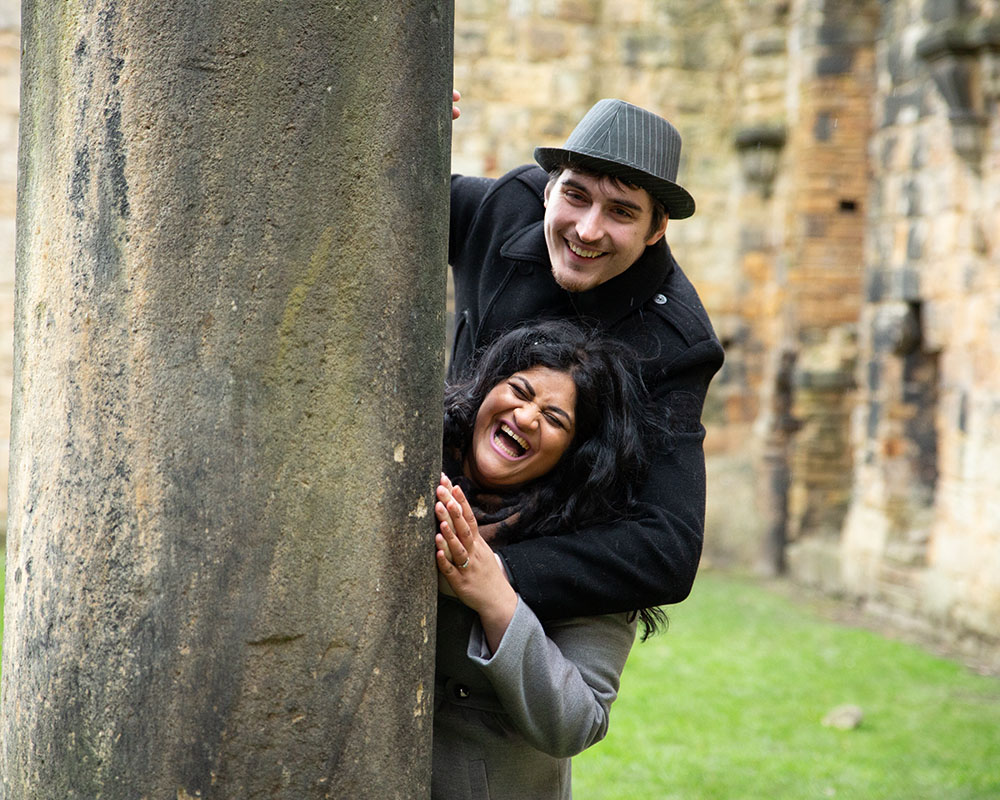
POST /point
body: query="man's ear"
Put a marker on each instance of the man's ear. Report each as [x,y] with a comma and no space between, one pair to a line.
[661,229]
[545,194]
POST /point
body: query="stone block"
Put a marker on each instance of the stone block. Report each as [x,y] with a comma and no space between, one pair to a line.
[624,14]
[548,41]
[471,40]
[577,11]
[734,528]
[839,63]
[10,90]
[8,198]
[901,108]
[474,9]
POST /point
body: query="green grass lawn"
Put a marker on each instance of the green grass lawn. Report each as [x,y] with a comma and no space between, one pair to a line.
[727,705]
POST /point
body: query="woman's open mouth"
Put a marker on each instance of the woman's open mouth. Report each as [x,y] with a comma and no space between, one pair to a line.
[509,443]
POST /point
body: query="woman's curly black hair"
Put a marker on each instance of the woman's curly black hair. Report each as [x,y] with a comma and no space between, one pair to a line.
[617,428]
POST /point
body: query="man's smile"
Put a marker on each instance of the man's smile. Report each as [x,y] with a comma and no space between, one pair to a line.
[582,252]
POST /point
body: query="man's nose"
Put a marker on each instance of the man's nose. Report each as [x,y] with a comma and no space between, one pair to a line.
[588,226]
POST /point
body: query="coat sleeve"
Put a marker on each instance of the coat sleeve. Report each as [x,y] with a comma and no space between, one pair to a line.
[651,558]
[557,683]
[467,195]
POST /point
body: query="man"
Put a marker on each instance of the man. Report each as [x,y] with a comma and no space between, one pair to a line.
[583,238]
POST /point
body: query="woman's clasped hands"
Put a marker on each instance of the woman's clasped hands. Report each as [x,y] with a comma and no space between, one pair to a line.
[469,565]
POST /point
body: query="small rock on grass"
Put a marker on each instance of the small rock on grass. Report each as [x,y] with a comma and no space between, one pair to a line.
[845,718]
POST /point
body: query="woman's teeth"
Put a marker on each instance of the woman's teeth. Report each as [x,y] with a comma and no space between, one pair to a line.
[584,253]
[516,447]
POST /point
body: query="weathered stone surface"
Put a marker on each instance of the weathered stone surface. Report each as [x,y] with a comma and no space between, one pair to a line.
[229,354]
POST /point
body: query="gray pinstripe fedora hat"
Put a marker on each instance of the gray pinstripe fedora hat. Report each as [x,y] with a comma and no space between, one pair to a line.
[629,143]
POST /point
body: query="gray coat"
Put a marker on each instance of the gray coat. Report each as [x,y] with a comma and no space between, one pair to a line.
[506,724]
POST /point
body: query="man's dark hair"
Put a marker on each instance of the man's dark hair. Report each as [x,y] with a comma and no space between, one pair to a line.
[659,210]
[617,429]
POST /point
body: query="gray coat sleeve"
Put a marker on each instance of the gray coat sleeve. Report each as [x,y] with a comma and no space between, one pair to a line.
[557,682]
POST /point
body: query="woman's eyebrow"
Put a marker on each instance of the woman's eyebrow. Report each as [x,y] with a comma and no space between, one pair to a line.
[525,384]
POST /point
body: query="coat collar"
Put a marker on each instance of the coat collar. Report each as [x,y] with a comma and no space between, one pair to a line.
[612,300]
[528,244]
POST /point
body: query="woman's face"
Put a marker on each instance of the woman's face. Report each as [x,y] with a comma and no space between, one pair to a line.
[523,427]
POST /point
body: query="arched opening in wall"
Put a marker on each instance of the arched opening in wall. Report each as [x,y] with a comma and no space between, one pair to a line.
[911,448]
[904,374]
[774,470]
[920,391]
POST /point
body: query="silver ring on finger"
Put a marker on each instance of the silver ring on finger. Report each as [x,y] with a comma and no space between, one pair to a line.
[463,566]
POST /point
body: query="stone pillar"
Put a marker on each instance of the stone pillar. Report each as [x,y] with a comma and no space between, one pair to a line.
[228,367]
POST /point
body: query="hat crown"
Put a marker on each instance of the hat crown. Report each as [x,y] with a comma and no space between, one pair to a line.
[621,132]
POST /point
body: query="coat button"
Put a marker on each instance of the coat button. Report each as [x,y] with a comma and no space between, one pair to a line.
[462,692]
[659,299]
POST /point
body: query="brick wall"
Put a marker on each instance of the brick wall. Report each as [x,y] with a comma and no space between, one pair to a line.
[828,187]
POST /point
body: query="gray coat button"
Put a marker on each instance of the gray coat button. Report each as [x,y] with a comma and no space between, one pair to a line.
[659,299]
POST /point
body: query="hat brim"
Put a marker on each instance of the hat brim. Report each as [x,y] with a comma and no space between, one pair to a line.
[677,200]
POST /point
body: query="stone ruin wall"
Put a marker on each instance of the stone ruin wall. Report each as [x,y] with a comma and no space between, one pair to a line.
[922,537]
[844,158]
[846,162]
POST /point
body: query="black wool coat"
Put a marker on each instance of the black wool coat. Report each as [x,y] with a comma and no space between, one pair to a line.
[503,278]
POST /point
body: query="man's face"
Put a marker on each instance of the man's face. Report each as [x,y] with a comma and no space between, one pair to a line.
[595,228]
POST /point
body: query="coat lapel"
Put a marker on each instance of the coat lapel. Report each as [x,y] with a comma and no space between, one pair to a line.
[530,292]
[610,302]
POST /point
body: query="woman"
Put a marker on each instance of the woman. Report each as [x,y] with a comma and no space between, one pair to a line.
[549,434]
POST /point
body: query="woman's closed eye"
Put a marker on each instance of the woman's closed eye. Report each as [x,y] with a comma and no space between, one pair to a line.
[520,390]
[557,420]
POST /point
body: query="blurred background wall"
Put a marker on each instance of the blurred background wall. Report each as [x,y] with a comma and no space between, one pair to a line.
[845,159]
